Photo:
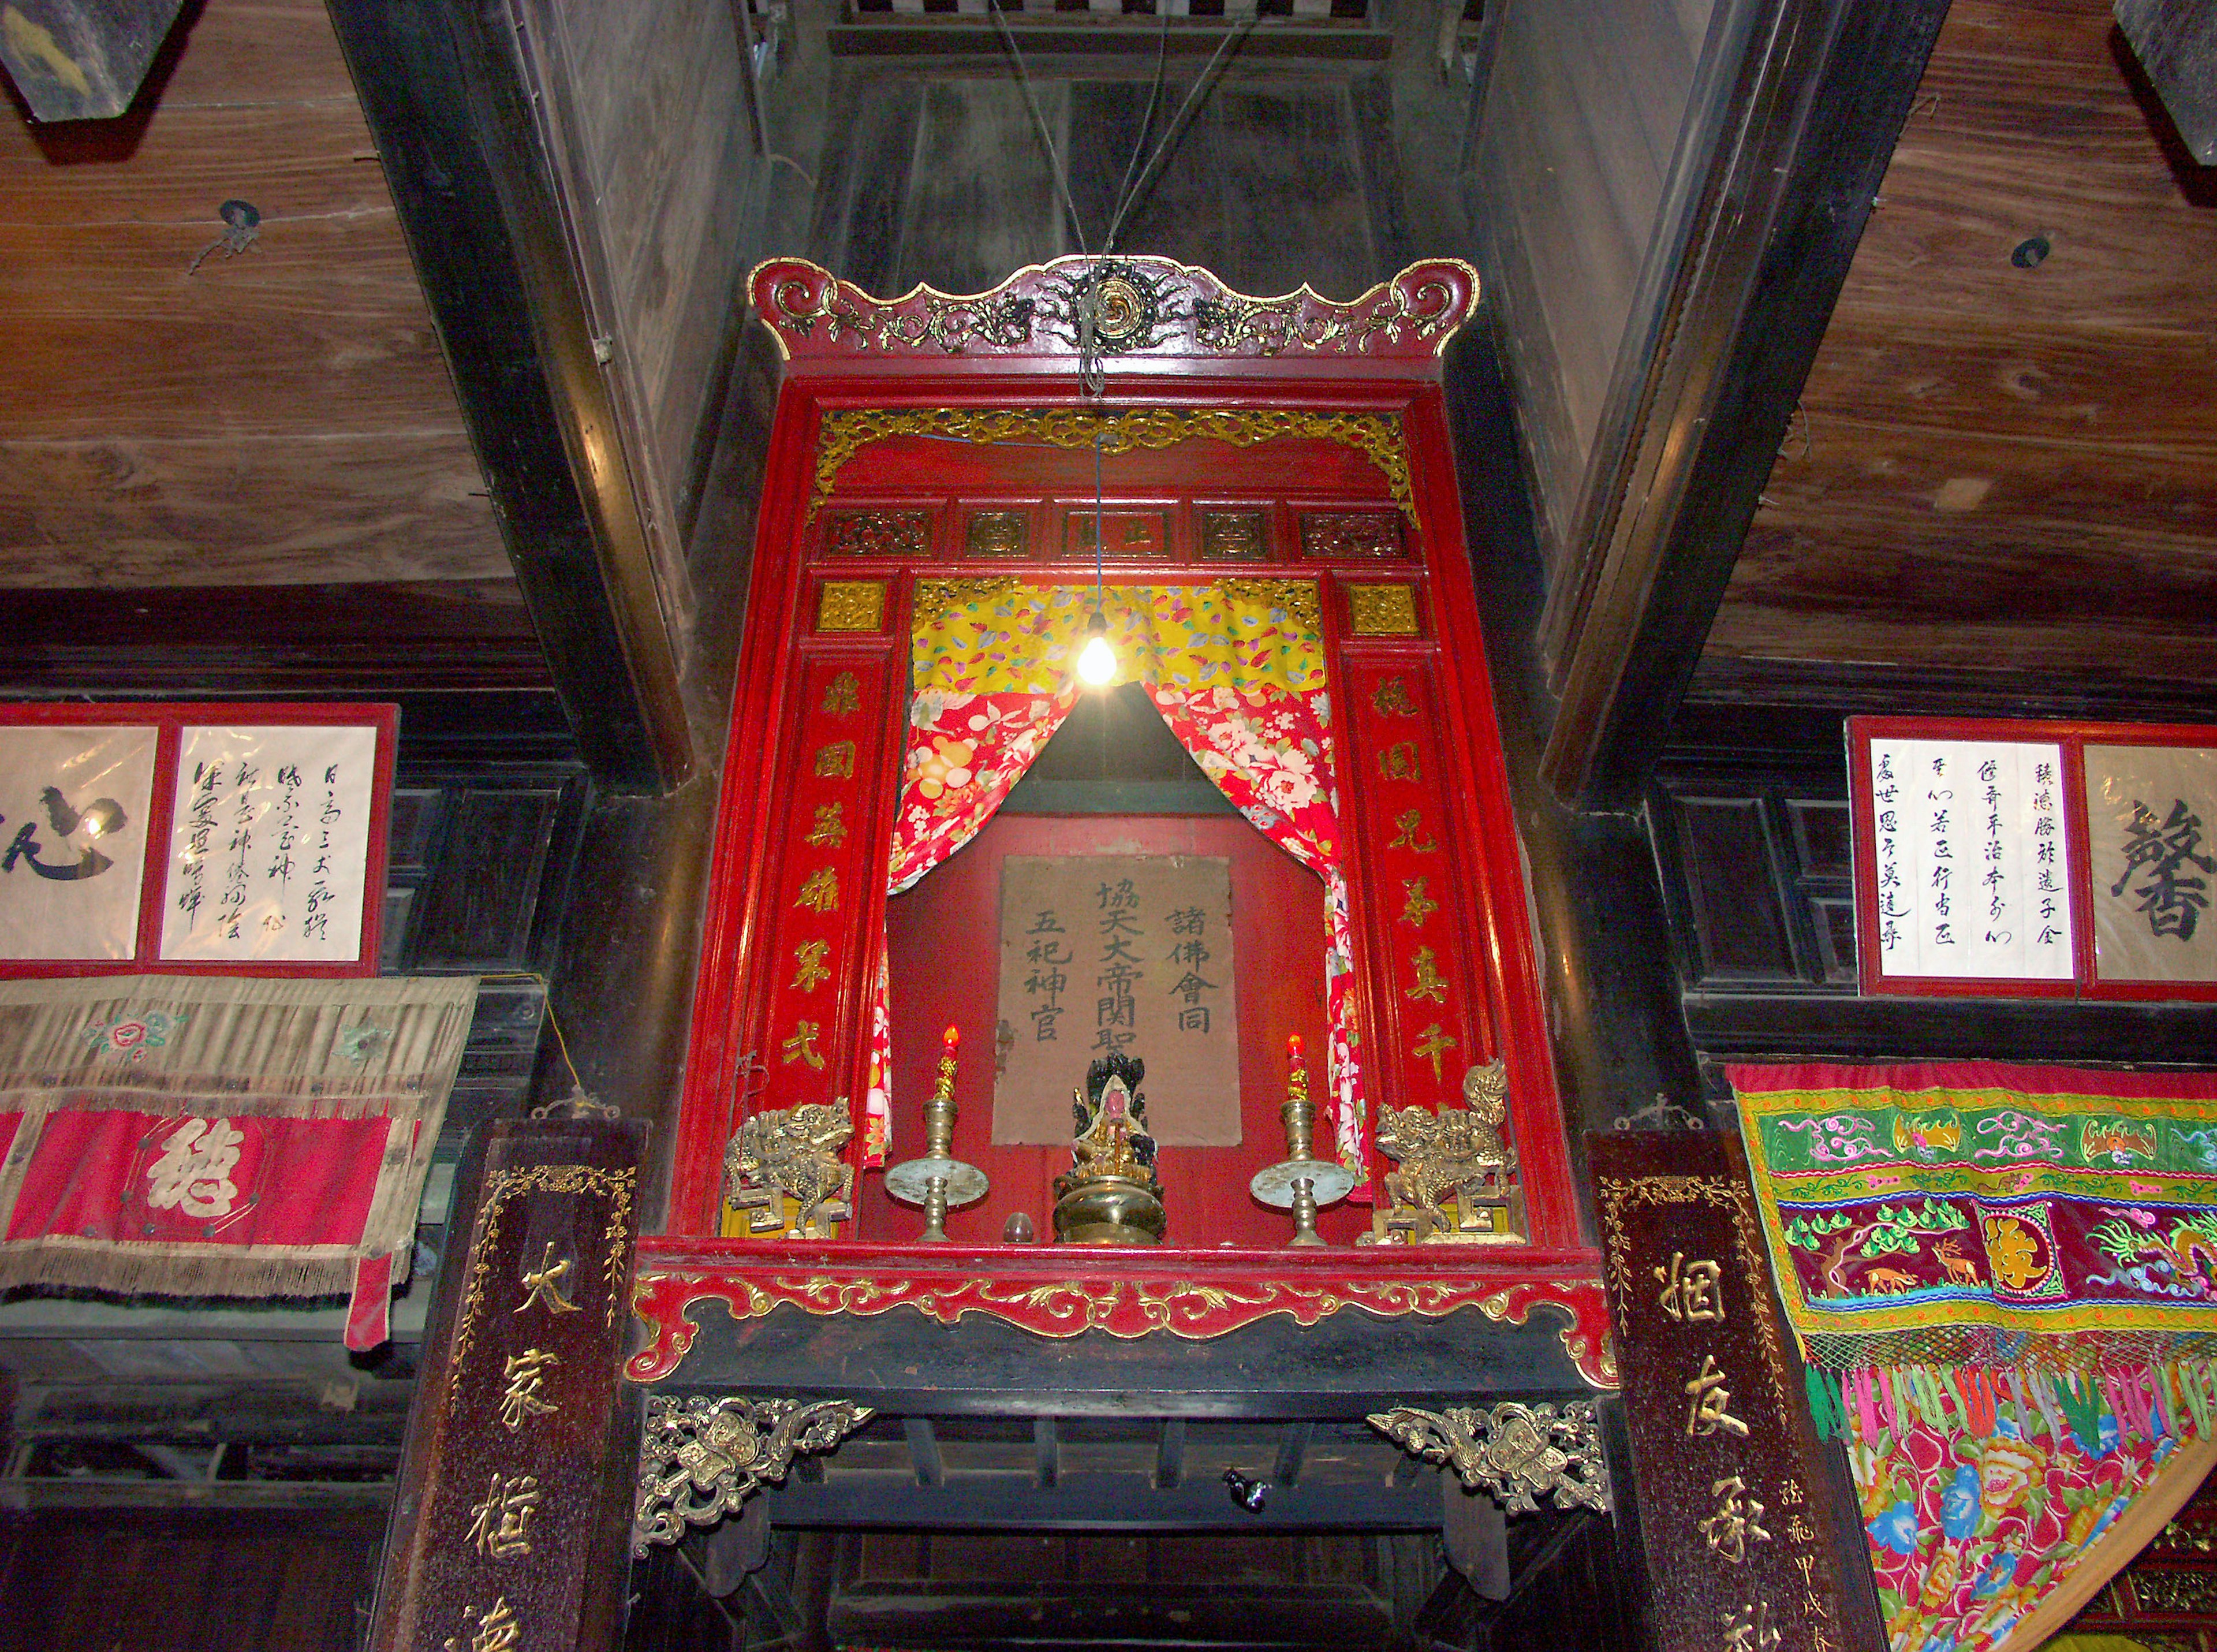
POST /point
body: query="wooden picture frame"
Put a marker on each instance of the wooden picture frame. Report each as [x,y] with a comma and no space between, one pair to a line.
[2103,964]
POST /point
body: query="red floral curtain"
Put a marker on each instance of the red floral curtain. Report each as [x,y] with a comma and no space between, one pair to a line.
[1237,669]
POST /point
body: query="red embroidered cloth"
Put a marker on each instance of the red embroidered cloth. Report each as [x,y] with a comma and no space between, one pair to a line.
[222,1137]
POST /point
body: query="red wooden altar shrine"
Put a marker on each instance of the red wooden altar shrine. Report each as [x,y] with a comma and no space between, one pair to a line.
[930,439]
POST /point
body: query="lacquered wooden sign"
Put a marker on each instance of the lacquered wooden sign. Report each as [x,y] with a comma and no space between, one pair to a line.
[1733,1500]
[508,1528]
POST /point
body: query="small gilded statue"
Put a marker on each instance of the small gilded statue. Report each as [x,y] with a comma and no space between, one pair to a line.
[1110,1194]
[1457,1151]
[792,1153]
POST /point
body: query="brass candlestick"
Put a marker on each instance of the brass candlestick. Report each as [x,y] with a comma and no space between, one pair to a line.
[1300,1182]
[938,1180]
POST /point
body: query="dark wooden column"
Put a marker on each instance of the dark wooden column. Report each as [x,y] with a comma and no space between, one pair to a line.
[443,88]
[511,1520]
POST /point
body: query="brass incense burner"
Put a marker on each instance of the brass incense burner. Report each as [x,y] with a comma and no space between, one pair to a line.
[1110,1194]
[1301,1181]
[938,1181]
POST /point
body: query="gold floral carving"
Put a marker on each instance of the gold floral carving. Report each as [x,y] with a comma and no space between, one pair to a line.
[616,1186]
[847,432]
[1383,610]
[1297,597]
[851,605]
[935,597]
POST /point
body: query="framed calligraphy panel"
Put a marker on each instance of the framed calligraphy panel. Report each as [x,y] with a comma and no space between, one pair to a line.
[207,838]
[2034,859]
[1107,953]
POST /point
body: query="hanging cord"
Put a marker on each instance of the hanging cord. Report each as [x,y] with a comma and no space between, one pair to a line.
[578,1091]
[1092,375]
[1039,124]
[1099,437]
[1199,90]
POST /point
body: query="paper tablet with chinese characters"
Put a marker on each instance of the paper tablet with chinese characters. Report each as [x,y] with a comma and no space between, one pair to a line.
[1105,953]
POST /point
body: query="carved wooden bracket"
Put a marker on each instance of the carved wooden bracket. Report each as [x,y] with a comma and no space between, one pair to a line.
[701,1457]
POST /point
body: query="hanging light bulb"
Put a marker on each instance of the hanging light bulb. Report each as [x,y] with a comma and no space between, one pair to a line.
[1096,661]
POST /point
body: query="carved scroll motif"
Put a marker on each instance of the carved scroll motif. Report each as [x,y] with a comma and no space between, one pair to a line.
[699,1457]
[1516,1452]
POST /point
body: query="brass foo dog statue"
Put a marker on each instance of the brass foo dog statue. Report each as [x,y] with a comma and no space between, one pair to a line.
[794,1153]
[1110,1194]
[1458,1151]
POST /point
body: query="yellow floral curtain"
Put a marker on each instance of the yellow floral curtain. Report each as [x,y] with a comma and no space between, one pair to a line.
[1237,669]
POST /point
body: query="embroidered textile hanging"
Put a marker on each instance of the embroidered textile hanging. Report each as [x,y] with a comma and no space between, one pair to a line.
[1977,1213]
[1237,669]
[1984,1493]
[222,1136]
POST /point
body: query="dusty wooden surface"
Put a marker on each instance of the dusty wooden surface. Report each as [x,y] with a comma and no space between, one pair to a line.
[279,416]
[2003,468]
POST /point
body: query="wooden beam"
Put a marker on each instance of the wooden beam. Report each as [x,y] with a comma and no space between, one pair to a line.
[1170,1454]
[1292,1450]
[1047,1453]
[2175,41]
[1097,1502]
[923,1452]
[1821,96]
[445,98]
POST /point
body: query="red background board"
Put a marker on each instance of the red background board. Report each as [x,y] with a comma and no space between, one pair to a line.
[945,956]
[737,1016]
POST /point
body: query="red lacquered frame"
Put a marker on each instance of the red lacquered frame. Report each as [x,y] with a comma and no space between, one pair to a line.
[2072,738]
[170,719]
[825,372]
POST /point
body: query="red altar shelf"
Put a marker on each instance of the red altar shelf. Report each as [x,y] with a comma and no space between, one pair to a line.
[1060,1291]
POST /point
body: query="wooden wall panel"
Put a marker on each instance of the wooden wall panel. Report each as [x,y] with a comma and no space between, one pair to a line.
[1999,469]
[279,417]
[645,122]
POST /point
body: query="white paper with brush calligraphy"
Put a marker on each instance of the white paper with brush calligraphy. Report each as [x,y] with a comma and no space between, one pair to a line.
[269,845]
[1970,860]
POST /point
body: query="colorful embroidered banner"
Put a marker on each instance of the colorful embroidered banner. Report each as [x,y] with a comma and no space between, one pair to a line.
[1976,1213]
[222,1137]
[1983,1494]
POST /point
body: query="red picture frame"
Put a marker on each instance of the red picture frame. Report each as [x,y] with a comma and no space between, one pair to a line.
[2072,738]
[169,721]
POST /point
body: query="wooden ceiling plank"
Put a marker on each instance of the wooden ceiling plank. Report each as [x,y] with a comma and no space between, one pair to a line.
[300,163]
[2007,467]
[128,511]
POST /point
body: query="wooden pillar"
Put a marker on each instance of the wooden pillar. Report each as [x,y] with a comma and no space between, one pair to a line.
[511,1521]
